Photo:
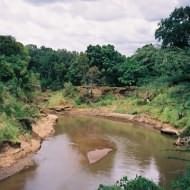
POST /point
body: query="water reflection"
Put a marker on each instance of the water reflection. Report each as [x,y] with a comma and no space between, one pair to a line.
[62,162]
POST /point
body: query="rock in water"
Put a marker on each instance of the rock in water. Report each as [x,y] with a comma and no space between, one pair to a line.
[170,131]
[98,154]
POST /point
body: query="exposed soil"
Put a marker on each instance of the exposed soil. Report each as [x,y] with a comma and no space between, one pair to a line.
[13,160]
[144,120]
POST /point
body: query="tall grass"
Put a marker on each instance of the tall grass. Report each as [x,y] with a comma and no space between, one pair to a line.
[16,116]
[9,129]
[56,99]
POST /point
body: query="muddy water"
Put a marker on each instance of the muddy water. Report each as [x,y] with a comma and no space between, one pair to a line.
[62,164]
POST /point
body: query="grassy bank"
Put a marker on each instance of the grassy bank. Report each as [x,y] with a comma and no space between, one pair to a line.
[16,117]
[165,103]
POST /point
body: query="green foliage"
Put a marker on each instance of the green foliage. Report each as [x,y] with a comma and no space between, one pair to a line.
[98,65]
[107,60]
[56,99]
[14,74]
[8,129]
[17,85]
[175,30]
[183,182]
[139,183]
[69,90]
[186,132]
[53,66]
[105,100]
[77,72]
[93,75]
[148,64]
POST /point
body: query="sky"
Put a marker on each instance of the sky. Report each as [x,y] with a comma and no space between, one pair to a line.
[74,24]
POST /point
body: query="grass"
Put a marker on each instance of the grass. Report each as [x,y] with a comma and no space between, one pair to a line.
[9,130]
[56,99]
[170,104]
[16,116]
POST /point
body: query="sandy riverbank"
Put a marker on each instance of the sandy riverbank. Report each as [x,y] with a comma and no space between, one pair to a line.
[144,120]
[14,160]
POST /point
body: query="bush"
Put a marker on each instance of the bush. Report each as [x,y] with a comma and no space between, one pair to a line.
[139,183]
[56,99]
[8,129]
[183,182]
[105,100]
[186,132]
[69,90]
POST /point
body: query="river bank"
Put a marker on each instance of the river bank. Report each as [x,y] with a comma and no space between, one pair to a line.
[14,160]
[143,119]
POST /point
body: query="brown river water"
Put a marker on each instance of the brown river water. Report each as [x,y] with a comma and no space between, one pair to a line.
[61,164]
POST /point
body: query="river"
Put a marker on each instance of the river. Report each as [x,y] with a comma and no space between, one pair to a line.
[61,164]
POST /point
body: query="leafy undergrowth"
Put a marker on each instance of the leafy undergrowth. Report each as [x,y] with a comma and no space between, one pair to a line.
[141,183]
[170,104]
[8,129]
[167,104]
[56,99]
[16,117]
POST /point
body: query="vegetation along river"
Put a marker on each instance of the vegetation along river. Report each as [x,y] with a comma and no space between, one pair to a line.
[62,162]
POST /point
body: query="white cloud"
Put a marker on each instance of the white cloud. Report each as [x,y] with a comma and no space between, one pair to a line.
[74,24]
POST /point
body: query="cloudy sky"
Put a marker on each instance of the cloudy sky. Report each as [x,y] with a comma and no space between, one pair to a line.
[74,24]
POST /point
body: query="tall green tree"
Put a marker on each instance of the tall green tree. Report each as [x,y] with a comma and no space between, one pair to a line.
[107,60]
[14,59]
[77,72]
[174,31]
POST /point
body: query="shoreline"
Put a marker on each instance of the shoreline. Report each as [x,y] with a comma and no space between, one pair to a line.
[145,120]
[14,160]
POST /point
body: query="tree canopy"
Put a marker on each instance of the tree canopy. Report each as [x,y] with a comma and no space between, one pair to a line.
[174,31]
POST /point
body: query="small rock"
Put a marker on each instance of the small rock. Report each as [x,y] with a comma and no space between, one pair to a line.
[169,131]
[98,154]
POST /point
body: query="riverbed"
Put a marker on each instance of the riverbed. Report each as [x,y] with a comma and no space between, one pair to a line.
[62,164]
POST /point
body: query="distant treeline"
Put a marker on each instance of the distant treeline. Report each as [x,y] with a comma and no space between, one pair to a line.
[103,65]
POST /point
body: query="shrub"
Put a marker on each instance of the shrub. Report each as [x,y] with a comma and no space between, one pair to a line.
[105,100]
[69,90]
[56,99]
[8,129]
[186,132]
[139,183]
[183,182]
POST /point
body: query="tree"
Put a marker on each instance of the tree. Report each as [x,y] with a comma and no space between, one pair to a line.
[140,67]
[107,60]
[9,46]
[14,59]
[52,65]
[93,75]
[174,31]
[78,69]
